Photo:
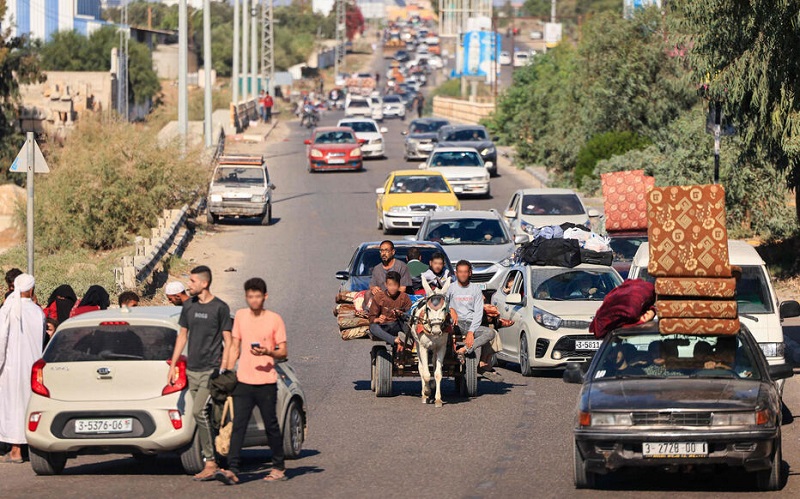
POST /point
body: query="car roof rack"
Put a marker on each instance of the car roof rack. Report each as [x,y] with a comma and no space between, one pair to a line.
[241,159]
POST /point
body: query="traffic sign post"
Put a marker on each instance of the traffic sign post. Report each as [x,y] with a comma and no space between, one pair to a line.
[30,160]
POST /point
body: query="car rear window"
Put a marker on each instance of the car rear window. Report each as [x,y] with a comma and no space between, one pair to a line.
[111,342]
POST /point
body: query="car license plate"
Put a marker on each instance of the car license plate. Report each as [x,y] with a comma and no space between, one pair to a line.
[119,425]
[482,286]
[674,449]
[587,344]
[335,161]
[418,219]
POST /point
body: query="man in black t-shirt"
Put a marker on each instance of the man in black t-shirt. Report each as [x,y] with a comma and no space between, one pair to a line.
[206,325]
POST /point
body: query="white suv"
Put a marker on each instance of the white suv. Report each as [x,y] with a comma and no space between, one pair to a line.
[101,387]
[759,309]
[552,308]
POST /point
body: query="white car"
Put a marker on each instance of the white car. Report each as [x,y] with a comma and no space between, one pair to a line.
[435,62]
[504,59]
[463,168]
[367,129]
[521,59]
[759,308]
[394,107]
[552,308]
[534,208]
[376,101]
[357,106]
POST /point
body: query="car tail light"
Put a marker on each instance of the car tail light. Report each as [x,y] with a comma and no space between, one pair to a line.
[179,383]
[176,419]
[37,379]
[114,323]
[33,421]
[763,417]
[584,418]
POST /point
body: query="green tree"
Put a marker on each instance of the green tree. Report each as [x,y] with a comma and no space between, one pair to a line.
[67,51]
[604,146]
[745,52]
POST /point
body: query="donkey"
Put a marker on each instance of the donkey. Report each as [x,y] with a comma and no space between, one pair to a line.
[430,317]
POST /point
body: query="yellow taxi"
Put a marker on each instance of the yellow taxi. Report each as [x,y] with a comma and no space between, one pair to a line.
[408,195]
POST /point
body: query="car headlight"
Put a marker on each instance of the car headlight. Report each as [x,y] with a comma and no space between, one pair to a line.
[377,141]
[355,153]
[773,349]
[610,419]
[316,153]
[216,198]
[258,198]
[733,419]
[487,151]
[546,319]
[399,209]
[507,261]
[446,208]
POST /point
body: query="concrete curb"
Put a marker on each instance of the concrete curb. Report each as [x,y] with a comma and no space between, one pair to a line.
[537,175]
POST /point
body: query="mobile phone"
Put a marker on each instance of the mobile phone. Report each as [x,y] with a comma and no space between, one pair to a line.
[255,345]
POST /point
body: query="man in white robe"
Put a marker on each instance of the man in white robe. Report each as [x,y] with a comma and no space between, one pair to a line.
[22,326]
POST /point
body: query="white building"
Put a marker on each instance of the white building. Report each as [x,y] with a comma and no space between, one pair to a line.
[41,18]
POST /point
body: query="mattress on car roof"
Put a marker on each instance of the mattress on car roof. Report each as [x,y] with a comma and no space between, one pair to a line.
[708,287]
[687,232]
[697,326]
[625,199]
[697,309]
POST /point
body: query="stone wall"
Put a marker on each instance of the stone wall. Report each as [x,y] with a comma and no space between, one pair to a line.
[461,111]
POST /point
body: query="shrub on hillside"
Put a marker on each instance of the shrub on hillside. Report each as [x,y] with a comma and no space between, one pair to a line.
[110,182]
[605,146]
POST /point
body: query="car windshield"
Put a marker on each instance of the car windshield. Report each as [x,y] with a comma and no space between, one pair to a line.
[466,231]
[552,204]
[468,135]
[231,175]
[405,184]
[371,256]
[111,342]
[752,290]
[455,158]
[676,356]
[625,248]
[360,126]
[429,127]
[391,99]
[358,103]
[573,285]
[338,137]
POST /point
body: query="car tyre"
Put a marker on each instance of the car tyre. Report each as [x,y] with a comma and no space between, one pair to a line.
[583,479]
[471,376]
[267,218]
[293,431]
[383,373]
[47,463]
[211,218]
[373,370]
[524,356]
[192,456]
[771,479]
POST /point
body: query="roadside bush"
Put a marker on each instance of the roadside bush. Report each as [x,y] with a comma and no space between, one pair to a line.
[110,182]
[605,146]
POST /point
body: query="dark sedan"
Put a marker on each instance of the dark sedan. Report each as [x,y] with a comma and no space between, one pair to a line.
[367,256]
[421,137]
[474,136]
[678,402]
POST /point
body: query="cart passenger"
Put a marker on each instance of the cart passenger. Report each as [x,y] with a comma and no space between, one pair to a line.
[388,263]
[386,310]
[438,273]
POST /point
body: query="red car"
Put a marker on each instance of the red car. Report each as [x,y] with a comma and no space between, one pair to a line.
[334,148]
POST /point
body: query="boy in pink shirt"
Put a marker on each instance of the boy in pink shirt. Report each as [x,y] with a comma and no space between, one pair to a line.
[259,339]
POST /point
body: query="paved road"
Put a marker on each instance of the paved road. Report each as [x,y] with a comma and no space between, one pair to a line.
[514,440]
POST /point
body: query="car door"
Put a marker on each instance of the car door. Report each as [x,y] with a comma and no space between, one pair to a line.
[513,282]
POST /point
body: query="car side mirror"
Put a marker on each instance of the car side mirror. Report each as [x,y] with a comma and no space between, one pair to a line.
[343,275]
[510,214]
[423,166]
[573,374]
[307,142]
[522,239]
[380,190]
[272,187]
[593,213]
[384,129]
[789,309]
[404,132]
[780,371]
[514,299]
[410,238]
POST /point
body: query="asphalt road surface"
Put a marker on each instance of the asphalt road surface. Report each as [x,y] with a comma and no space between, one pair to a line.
[513,440]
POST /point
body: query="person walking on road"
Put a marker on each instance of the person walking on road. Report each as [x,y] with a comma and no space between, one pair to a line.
[420,105]
[205,323]
[267,102]
[466,306]
[21,338]
[176,293]
[259,340]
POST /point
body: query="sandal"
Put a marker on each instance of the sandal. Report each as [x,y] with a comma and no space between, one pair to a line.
[275,477]
[227,477]
[7,459]
[206,475]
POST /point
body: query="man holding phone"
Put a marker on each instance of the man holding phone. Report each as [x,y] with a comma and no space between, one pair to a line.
[259,340]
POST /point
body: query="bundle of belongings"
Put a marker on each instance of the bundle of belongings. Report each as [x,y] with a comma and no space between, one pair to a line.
[351,312]
[565,245]
[695,283]
[695,287]
[625,195]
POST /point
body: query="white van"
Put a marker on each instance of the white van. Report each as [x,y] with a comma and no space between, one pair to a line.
[759,308]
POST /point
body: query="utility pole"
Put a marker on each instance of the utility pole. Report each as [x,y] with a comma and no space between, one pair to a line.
[207,125]
[122,70]
[235,69]
[254,46]
[340,37]
[183,96]
[245,41]
[553,11]
[267,44]
[29,185]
